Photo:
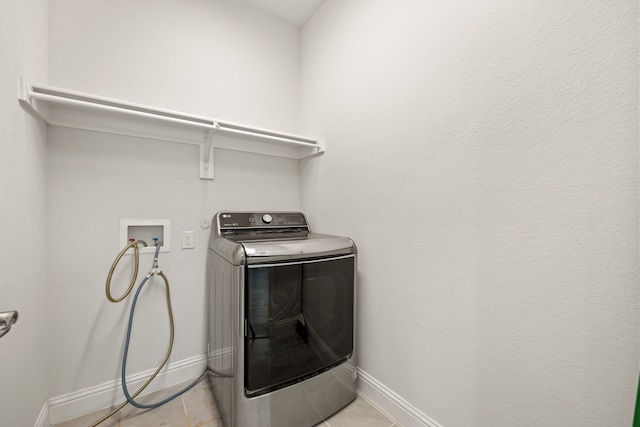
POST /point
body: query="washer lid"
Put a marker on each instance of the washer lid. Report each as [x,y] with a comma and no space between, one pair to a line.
[256,237]
[314,245]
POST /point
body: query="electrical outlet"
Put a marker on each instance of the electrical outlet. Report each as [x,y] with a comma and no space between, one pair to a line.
[187,240]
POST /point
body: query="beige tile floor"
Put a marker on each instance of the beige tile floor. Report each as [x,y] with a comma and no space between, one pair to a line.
[196,408]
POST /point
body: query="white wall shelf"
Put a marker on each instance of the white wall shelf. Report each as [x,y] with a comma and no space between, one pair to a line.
[62,107]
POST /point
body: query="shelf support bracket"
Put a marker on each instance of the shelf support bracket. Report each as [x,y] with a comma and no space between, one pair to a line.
[24,98]
[206,153]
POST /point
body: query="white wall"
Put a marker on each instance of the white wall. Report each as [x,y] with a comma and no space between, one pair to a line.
[23,351]
[212,58]
[484,157]
[216,58]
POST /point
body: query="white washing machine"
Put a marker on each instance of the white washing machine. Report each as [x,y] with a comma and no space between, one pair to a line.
[281,320]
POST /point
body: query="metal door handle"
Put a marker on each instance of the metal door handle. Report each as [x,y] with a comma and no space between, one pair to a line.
[7,319]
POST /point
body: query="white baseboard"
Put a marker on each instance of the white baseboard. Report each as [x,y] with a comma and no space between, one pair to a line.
[43,417]
[398,409]
[71,405]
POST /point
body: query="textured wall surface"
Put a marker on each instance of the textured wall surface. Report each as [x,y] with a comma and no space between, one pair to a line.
[484,157]
[23,262]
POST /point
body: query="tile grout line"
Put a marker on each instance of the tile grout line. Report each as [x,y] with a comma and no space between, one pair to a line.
[184,409]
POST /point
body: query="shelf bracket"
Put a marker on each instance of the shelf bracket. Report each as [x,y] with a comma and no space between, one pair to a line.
[206,153]
[24,98]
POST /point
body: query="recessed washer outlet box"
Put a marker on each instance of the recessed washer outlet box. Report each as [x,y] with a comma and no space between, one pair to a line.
[146,229]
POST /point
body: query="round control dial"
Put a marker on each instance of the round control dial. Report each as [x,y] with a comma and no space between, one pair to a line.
[266,218]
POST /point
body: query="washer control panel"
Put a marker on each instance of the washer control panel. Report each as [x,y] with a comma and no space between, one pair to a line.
[261,219]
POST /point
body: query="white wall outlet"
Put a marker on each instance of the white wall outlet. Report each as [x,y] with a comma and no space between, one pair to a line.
[187,240]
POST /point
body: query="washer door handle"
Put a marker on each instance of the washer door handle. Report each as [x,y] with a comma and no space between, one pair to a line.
[7,319]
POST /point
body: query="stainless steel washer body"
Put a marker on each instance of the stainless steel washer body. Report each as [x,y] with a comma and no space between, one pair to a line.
[281,320]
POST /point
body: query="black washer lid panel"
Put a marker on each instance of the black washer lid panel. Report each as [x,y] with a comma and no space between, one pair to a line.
[273,233]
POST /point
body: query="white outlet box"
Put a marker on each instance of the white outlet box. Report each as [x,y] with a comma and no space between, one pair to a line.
[187,240]
[146,229]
